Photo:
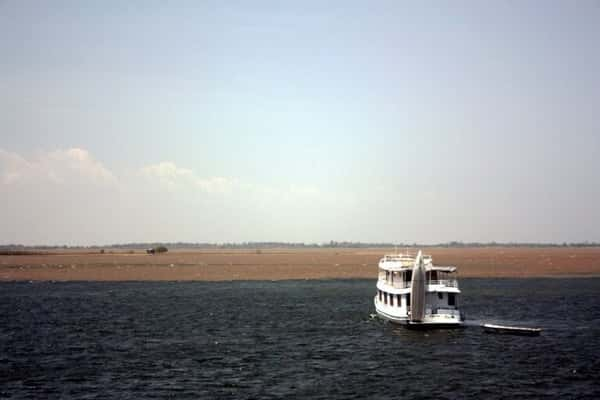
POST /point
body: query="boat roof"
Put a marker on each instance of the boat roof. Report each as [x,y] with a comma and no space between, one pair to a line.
[404,256]
[405,261]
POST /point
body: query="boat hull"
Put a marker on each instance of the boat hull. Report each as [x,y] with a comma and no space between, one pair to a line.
[401,320]
[430,322]
[434,325]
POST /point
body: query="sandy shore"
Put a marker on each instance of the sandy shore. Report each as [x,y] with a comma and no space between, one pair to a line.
[278,264]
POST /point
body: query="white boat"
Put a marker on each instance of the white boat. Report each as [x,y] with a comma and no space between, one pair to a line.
[414,292]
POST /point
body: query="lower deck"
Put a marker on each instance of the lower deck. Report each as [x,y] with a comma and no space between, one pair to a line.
[436,313]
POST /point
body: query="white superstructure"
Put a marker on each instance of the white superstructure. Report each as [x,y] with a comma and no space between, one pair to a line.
[412,291]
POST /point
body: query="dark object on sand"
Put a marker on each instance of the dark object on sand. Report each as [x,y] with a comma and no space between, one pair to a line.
[155,250]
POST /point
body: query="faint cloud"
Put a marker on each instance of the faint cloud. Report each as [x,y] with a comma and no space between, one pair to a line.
[59,167]
[172,176]
[12,167]
[167,172]
[304,190]
[217,184]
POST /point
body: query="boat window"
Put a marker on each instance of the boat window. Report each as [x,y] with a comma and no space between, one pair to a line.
[451,299]
[408,300]
[385,297]
[408,276]
[398,300]
[440,295]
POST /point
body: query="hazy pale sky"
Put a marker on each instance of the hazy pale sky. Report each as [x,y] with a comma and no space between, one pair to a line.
[299,121]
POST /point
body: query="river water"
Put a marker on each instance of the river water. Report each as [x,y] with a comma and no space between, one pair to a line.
[297,339]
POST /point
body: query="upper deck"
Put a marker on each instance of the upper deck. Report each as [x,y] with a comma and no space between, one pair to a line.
[395,274]
[398,262]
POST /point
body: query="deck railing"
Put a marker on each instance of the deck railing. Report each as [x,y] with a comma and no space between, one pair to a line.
[401,284]
[406,284]
[398,284]
[445,282]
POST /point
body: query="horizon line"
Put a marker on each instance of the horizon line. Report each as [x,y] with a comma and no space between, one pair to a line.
[329,244]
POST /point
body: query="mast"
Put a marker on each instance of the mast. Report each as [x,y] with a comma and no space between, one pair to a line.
[417,290]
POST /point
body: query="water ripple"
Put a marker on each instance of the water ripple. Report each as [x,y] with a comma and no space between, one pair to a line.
[303,339]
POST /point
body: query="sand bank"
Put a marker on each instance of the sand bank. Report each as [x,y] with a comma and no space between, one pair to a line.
[279,264]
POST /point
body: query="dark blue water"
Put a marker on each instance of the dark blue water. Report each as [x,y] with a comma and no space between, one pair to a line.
[298,339]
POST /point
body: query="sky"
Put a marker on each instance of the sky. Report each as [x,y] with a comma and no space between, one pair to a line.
[306,121]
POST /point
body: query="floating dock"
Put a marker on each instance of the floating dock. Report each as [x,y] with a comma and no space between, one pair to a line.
[511,330]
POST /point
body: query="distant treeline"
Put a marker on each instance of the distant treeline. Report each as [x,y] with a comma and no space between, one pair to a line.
[21,249]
